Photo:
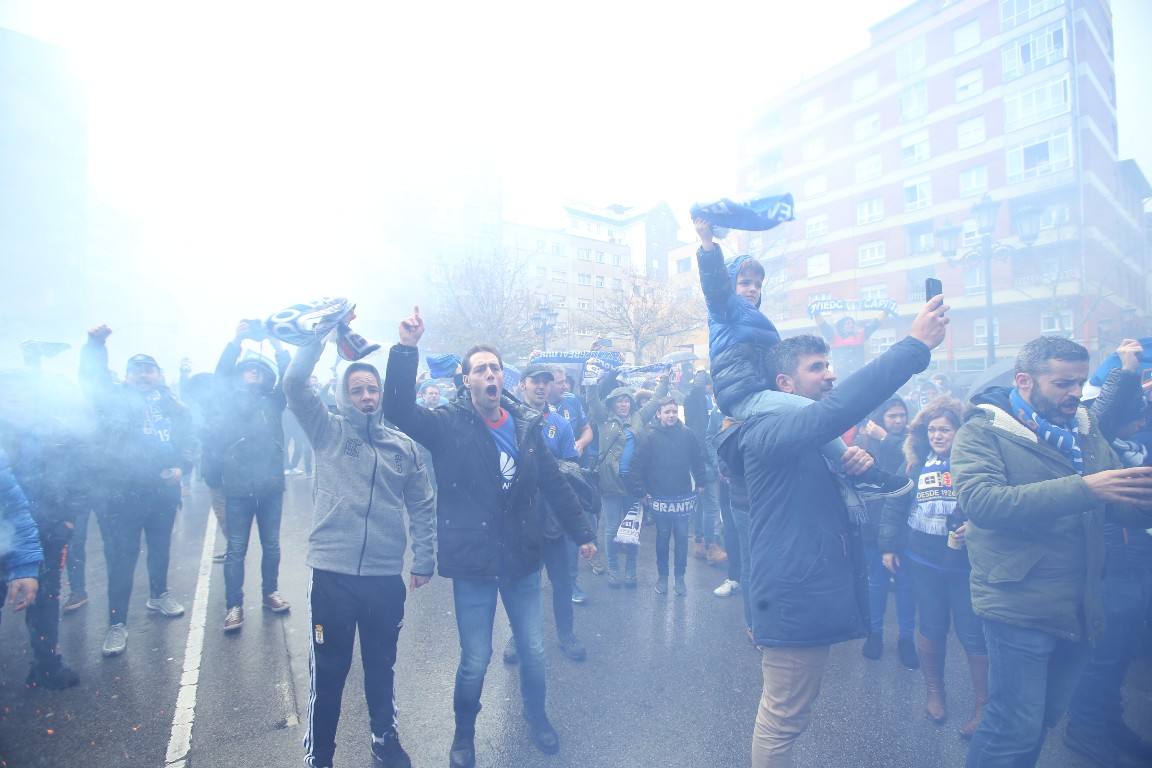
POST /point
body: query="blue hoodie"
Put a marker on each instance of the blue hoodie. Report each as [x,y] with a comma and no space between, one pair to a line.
[731,319]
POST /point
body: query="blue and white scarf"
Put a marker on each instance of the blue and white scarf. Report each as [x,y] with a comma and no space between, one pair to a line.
[750,215]
[673,506]
[1063,439]
[935,497]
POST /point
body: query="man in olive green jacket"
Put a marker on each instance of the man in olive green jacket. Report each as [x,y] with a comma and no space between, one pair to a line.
[1036,479]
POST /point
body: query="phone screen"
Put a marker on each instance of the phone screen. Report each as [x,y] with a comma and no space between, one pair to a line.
[932,288]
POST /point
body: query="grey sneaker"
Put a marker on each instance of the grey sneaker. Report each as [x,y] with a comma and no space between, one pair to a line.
[234,619]
[165,605]
[116,640]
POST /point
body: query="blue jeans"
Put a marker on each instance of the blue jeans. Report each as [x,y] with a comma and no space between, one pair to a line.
[707,510]
[613,510]
[1031,678]
[880,584]
[743,520]
[668,526]
[239,512]
[475,603]
[78,554]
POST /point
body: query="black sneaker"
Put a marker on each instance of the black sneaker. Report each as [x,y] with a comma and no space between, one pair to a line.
[55,678]
[572,647]
[510,654]
[661,585]
[875,484]
[462,754]
[386,750]
[543,734]
[908,656]
[1098,749]
[873,646]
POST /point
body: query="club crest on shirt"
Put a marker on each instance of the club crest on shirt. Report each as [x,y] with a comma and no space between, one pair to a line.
[352,447]
[318,634]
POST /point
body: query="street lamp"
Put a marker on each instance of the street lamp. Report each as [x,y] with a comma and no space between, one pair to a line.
[1027,221]
[544,320]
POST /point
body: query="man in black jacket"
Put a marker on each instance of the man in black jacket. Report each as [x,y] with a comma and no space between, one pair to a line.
[491,465]
[808,577]
[246,440]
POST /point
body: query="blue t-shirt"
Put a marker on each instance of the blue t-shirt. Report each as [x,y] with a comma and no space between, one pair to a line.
[503,432]
[572,410]
[558,437]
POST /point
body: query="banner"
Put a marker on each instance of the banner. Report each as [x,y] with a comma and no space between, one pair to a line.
[609,357]
[825,306]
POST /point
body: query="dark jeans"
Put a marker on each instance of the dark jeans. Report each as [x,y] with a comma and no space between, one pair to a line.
[1096,707]
[556,562]
[43,616]
[122,522]
[731,537]
[943,598]
[240,511]
[340,605]
[743,520]
[78,554]
[613,510]
[880,583]
[704,516]
[667,526]
[475,603]
[1030,681]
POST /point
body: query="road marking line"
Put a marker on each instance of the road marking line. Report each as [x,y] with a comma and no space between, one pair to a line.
[180,740]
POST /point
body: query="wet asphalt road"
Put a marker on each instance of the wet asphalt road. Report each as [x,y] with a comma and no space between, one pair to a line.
[668,682]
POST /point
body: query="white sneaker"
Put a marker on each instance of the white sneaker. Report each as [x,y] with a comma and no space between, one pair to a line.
[727,589]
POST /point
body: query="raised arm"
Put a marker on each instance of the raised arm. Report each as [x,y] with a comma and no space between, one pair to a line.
[310,412]
[427,427]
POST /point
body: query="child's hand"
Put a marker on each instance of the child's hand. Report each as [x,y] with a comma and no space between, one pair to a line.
[704,231]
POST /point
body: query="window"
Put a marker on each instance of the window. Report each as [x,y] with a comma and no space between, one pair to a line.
[816,226]
[684,265]
[974,181]
[980,332]
[584,279]
[812,149]
[917,193]
[1039,158]
[811,109]
[914,148]
[881,341]
[617,259]
[871,254]
[815,186]
[599,257]
[870,292]
[970,133]
[866,127]
[869,168]
[819,264]
[559,276]
[1036,104]
[583,304]
[921,238]
[1058,323]
[974,279]
[915,284]
[865,85]
[911,58]
[966,36]
[584,254]
[969,84]
[1055,216]
[599,281]
[558,249]
[1034,51]
[914,102]
[868,211]
[1015,12]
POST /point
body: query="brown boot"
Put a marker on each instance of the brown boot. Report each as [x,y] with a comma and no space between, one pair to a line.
[932,665]
[978,666]
[716,555]
[699,551]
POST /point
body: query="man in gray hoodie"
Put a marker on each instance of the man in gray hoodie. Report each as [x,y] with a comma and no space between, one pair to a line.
[366,475]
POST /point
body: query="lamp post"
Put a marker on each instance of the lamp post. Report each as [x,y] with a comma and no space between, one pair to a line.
[543,321]
[1026,221]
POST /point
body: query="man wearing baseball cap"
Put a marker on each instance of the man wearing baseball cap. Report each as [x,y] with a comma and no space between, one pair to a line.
[147,444]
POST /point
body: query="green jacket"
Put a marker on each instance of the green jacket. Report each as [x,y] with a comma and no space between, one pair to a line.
[1036,532]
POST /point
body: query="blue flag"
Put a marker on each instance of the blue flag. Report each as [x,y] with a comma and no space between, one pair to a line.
[752,215]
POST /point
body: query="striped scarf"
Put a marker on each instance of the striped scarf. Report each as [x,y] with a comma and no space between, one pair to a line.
[1061,438]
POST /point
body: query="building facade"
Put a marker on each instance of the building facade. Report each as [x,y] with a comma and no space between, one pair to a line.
[959,110]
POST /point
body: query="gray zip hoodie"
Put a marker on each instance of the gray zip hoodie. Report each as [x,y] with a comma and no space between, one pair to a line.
[367,474]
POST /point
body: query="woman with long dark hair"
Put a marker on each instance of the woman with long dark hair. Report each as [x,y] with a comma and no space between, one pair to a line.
[925,533]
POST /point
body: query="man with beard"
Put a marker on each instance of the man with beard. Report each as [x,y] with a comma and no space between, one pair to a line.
[1037,479]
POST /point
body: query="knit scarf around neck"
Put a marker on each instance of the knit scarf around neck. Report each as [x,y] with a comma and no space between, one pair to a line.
[1063,439]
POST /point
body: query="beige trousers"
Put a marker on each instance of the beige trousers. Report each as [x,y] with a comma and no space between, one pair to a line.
[791,684]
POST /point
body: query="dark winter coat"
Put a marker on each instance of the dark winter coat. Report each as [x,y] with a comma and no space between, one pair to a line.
[483,533]
[245,437]
[809,583]
[619,438]
[671,460]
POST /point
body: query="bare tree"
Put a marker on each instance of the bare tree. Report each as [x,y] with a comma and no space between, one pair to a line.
[648,313]
[481,299]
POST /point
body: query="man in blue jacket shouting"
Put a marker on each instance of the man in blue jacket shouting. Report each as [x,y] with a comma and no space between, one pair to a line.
[809,583]
[491,465]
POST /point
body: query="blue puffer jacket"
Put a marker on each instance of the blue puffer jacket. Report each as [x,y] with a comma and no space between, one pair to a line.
[20,552]
[739,335]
